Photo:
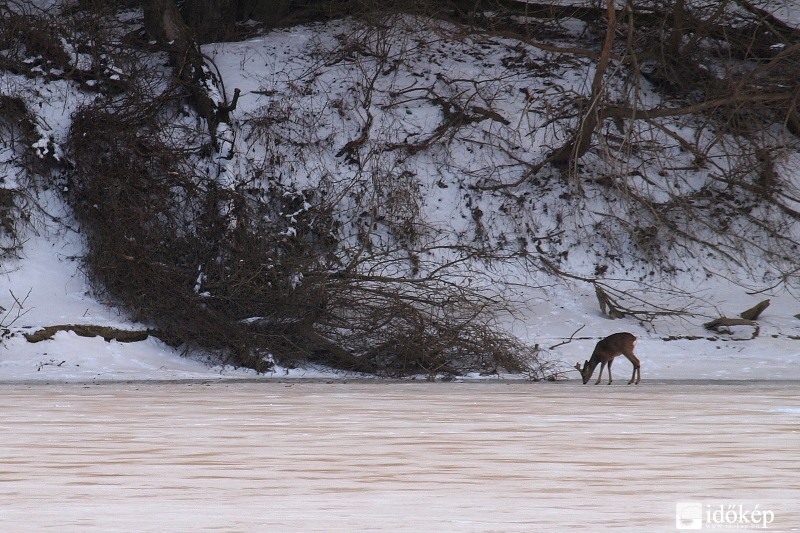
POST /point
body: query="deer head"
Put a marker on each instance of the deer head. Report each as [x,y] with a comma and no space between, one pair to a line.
[583,371]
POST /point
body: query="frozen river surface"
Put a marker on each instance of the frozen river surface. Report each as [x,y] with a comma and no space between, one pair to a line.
[271,456]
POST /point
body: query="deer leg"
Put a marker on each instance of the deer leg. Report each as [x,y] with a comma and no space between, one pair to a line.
[609,370]
[637,371]
[602,366]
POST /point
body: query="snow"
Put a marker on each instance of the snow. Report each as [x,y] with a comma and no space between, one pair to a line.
[49,283]
[54,290]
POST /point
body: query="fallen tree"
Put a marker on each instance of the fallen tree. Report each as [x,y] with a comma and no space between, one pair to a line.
[747,318]
[88,330]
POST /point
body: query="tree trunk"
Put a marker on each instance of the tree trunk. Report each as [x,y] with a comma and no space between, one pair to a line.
[580,143]
[676,36]
[210,20]
[269,12]
[164,23]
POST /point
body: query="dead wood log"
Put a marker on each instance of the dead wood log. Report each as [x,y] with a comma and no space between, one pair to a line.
[724,322]
[88,330]
[754,312]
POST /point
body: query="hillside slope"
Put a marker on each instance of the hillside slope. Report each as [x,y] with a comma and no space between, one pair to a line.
[425,142]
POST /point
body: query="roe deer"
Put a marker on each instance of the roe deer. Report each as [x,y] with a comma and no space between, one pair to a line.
[605,351]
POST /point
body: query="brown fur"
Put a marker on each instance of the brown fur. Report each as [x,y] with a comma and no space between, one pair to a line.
[604,353]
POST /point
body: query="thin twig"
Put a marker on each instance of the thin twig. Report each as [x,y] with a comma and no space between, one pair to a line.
[570,338]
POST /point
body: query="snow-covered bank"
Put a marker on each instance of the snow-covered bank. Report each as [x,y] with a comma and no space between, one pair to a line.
[310,109]
[57,293]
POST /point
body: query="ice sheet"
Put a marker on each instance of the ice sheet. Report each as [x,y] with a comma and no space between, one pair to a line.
[460,457]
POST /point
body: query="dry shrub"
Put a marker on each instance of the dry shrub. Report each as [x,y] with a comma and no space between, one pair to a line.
[199,260]
[30,41]
[8,229]
[430,327]
[26,155]
[12,116]
[256,271]
[82,44]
